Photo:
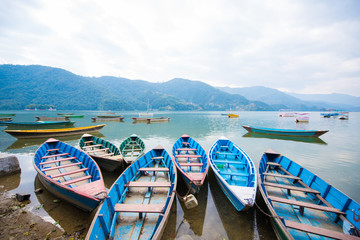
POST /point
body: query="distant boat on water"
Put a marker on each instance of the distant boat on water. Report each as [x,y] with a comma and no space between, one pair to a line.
[286,132]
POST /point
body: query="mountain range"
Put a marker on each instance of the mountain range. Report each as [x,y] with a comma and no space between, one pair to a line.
[34,85]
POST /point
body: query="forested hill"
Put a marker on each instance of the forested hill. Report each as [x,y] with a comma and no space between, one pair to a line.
[21,86]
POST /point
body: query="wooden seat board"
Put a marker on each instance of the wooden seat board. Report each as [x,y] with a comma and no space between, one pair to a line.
[141,208]
[59,160]
[319,231]
[76,180]
[147,184]
[290,187]
[281,176]
[190,164]
[62,166]
[69,173]
[305,204]
[55,155]
[158,169]
[188,156]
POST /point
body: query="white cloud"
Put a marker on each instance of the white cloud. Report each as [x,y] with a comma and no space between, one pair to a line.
[299,46]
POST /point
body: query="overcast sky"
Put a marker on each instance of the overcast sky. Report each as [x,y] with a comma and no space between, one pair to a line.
[303,46]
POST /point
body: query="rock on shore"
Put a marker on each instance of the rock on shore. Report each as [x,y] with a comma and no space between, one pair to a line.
[9,164]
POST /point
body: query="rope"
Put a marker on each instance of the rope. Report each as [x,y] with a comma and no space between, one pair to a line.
[265,213]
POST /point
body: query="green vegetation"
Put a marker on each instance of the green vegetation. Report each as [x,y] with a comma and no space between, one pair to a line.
[43,87]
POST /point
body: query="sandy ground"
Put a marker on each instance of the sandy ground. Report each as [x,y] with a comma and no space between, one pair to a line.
[17,223]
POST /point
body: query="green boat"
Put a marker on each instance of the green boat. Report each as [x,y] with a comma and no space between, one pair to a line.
[7,114]
[132,148]
[106,154]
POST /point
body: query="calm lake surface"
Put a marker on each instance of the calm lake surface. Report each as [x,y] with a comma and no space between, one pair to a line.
[335,157]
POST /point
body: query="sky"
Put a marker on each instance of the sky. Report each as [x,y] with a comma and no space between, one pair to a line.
[304,46]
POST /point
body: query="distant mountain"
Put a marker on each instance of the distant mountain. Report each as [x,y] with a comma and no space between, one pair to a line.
[300,102]
[336,99]
[21,86]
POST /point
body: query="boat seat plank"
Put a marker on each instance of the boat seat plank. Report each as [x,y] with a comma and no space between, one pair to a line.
[140,208]
[319,231]
[229,162]
[86,142]
[97,150]
[69,173]
[157,169]
[55,155]
[188,156]
[94,145]
[185,143]
[226,153]
[273,164]
[306,204]
[59,160]
[290,187]
[154,158]
[281,176]
[54,149]
[62,166]
[148,184]
[186,149]
[191,164]
[76,180]
[105,154]
[234,174]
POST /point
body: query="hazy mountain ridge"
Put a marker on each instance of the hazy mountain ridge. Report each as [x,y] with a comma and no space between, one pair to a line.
[24,85]
[303,102]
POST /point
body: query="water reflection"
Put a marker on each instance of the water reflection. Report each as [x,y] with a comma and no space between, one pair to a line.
[289,138]
[238,225]
[69,217]
[10,182]
[22,143]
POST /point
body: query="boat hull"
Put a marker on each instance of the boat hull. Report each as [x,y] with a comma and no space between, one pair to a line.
[234,172]
[69,174]
[82,202]
[300,202]
[286,132]
[132,149]
[44,133]
[110,159]
[132,225]
[191,162]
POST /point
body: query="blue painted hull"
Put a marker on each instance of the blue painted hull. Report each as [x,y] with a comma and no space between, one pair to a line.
[286,132]
[105,224]
[234,172]
[77,192]
[326,209]
[194,177]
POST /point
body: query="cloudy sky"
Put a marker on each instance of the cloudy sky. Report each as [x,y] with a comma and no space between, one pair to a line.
[304,46]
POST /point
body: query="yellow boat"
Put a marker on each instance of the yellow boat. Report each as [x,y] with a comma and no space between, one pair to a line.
[232,115]
[42,133]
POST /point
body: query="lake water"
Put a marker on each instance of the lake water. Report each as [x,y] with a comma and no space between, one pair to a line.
[335,157]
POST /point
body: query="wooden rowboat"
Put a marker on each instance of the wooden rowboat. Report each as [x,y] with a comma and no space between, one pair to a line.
[191,161]
[106,154]
[138,203]
[233,115]
[302,205]
[107,119]
[70,174]
[234,172]
[286,132]
[150,119]
[132,148]
[44,118]
[40,124]
[41,133]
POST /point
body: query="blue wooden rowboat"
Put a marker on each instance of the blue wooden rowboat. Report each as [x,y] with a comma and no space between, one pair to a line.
[138,204]
[235,173]
[302,205]
[286,132]
[191,161]
[106,154]
[70,174]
